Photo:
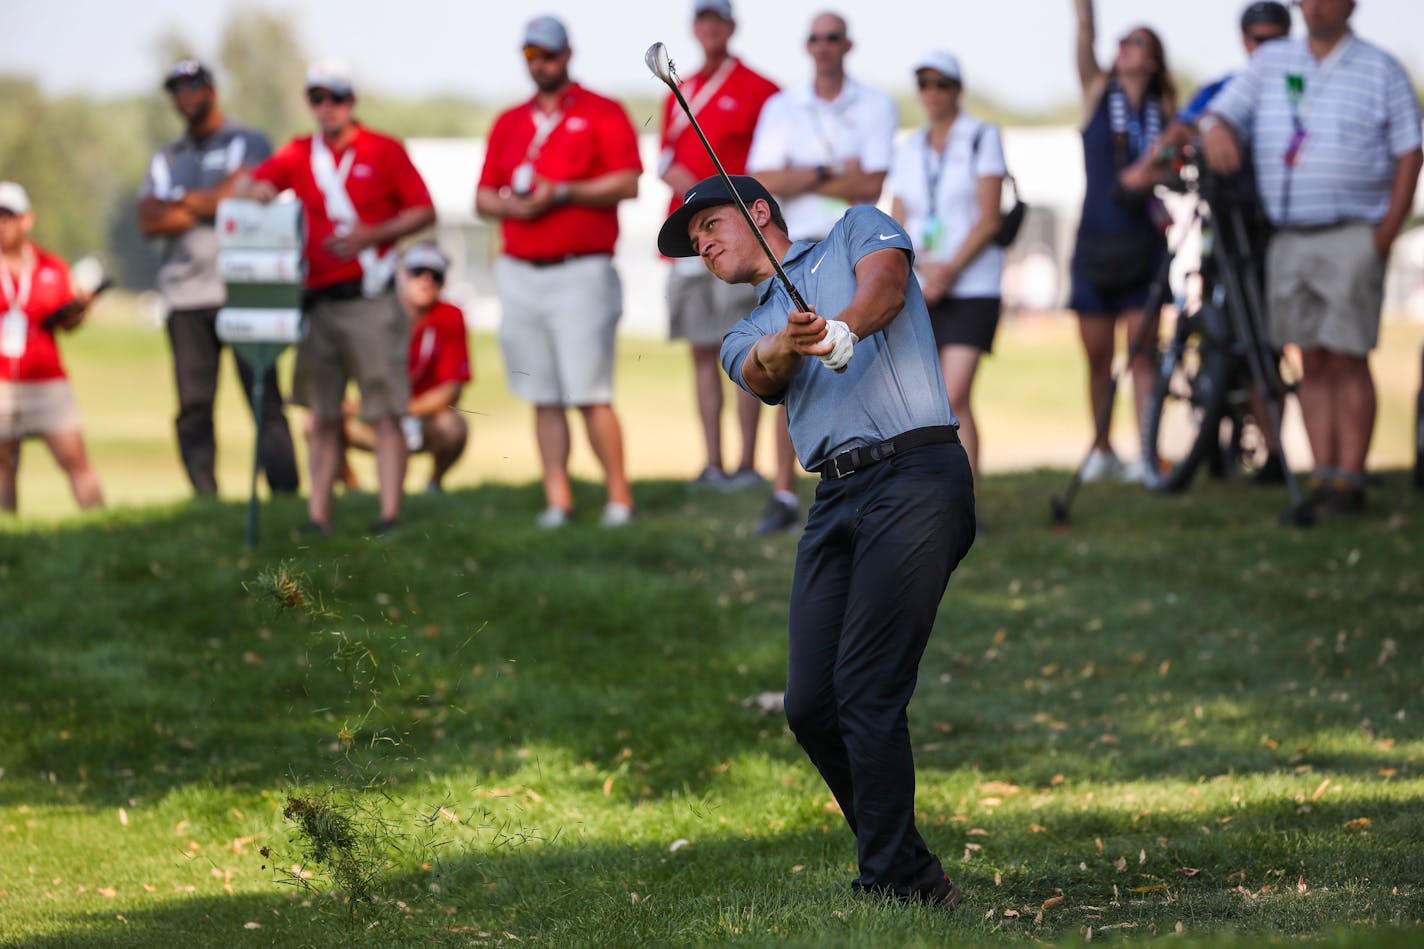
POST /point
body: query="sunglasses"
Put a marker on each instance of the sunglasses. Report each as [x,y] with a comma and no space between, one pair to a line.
[826,38]
[186,84]
[322,96]
[943,82]
[1134,40]
[532,53]
[435,275]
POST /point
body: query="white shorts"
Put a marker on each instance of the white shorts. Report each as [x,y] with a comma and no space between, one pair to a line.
[1325,288]
[701,308]
[557,329]
[36,409]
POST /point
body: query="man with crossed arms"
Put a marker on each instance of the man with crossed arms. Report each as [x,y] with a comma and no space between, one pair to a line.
[361,194]
[819,148]
[727,97]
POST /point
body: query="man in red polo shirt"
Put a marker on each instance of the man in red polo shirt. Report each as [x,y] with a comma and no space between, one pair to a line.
[555,169]
[726,97]
[361,194]
[35,398]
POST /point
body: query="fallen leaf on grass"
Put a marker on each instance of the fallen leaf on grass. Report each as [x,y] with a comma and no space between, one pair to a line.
[1053,901]
[1359,823]
[833,807]
[1320,790]
[608,787]
[798,868]
[1189,871]
[1149,888]
[123,817]
[678,844]
[252,924]
[449,815]
[1037,829]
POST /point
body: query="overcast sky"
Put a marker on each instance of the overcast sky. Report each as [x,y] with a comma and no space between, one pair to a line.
[1018,51]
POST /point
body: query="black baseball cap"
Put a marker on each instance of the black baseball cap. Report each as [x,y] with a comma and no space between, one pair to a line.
[673,240]
[1268,12]
[187,69]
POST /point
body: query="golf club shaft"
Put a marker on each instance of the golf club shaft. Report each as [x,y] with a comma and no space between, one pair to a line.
[795,294]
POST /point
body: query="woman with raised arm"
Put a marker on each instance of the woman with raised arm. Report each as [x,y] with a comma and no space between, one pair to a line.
[1120,244]
[945,184]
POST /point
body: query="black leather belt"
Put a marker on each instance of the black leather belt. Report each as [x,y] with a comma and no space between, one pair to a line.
[555,261]
[849,462]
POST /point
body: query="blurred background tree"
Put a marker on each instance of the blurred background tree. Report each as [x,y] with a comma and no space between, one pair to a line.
[262,67]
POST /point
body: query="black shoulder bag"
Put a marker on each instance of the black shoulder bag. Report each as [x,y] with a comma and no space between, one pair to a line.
[1014,217]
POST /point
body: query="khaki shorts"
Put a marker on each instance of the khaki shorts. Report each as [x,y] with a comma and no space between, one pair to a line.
[557,327]
[35,409]
[1325,288]
[701,308]
[361,339]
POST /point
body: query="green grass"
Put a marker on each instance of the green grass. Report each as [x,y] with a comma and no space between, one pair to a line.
[1174,714]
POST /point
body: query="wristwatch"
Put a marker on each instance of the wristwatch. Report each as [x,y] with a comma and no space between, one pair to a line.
[1208,122]
[563,193]
[823,172]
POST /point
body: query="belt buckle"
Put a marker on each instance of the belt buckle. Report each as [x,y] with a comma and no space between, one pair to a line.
[836,466]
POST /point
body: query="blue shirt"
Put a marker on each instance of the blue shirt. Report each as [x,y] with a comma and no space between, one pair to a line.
[1193,110]
[1358,113]
[893,383]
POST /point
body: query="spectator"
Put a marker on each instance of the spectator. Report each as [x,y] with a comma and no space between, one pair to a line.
[820,148]
[439,367]
[894,512]
[1261,22]
[1334,126]
[555,169]
[945,184]
[361,194]
[1120,247]
[186,180]
[726,96]
[36,400]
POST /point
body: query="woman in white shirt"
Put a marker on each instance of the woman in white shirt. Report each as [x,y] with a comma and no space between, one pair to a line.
[945,183]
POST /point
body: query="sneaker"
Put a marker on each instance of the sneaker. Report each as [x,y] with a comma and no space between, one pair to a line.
[1345,496]
[1270,473]
[1100,466]
[778,515]
[552,518]
[711,477]
[385,525]
[616,515]
[317,528]
[946,895]
[1134,472]
[745,478]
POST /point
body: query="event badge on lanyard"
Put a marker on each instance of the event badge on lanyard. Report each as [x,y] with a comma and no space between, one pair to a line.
[15,325]
[1295,92]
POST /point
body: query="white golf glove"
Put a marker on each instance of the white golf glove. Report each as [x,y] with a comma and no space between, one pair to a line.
[842,345]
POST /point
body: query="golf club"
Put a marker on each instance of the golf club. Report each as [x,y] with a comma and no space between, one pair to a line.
[661,66]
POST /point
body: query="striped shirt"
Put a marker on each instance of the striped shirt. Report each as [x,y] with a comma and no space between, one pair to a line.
[1357,111]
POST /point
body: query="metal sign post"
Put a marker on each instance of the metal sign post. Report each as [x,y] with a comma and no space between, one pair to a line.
[260,260]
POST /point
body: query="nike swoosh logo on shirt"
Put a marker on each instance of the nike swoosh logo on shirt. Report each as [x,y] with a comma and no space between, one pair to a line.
[886,237]
[819,262]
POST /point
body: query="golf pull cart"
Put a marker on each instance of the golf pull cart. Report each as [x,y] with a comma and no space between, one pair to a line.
[261,263]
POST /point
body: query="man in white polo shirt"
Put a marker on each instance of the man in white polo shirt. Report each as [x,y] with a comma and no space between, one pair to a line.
[819,148]
[1334,127]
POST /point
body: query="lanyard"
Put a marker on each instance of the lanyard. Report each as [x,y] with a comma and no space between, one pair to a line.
[819,110]
[680,122]
[19,296]
[934,167]
[544,126]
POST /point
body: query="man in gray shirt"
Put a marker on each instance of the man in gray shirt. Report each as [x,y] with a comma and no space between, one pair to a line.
[186,179]
[893,514]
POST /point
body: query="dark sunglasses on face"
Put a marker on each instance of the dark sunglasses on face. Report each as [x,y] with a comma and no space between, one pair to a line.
[826,38]
[943,82]
[532,53]
[188,84]
[321,96]
[435,275]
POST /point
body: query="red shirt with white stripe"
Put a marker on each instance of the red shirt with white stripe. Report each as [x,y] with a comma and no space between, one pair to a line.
[49,290]
[728,118]
[593,138]
[382,183]
[439,349]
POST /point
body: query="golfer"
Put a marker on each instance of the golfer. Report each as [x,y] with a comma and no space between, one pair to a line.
[893,514]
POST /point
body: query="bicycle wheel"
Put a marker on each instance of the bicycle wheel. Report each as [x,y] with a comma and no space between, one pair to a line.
[1182,424]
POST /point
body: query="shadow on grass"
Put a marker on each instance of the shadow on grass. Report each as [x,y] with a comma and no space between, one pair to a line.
[1164,638]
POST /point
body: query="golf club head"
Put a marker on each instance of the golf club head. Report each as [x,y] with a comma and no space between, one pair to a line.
[1060,511]
[660,64]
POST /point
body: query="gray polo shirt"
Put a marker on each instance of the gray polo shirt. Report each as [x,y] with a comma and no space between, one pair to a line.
[893,383]
[1358,113]
[188,275]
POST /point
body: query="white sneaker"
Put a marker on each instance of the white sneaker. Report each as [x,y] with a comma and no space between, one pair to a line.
[552,518]
[1135,472]
[1101,465]
[616,515]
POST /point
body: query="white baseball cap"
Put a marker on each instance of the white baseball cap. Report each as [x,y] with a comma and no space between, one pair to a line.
[941,62]
[331,75]
[426,256]
[13,198]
